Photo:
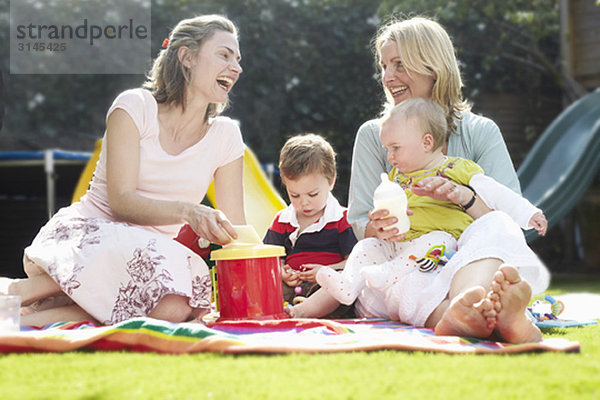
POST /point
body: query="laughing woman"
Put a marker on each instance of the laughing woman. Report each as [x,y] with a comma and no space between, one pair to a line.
[112,254]
[416,59]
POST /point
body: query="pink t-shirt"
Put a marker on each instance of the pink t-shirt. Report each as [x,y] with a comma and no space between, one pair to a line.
[182,177]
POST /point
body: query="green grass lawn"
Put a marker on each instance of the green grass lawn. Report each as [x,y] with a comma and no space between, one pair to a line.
[375,375]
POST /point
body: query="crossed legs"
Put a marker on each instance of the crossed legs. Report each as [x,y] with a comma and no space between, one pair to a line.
[40,285]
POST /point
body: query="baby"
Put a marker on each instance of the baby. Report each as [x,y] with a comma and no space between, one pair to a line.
[384,275]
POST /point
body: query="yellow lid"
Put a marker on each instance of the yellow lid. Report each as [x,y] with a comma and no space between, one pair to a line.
[243,252]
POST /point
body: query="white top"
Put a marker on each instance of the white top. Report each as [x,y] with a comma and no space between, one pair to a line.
[182,177]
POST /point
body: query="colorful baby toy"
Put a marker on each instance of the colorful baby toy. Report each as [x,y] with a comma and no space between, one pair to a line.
[436,256]
[546,309]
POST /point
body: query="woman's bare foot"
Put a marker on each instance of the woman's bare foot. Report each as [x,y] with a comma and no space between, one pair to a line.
[470,314]
[318,305]
[30,289]
[46,304]
[510,295]
[59,314]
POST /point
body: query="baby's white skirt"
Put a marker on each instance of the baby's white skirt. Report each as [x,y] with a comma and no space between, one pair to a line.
[416,294]
[116,271]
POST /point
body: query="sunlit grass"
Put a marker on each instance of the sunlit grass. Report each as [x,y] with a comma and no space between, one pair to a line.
[375,375]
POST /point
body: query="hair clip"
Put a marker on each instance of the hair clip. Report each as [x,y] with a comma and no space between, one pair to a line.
[165,43]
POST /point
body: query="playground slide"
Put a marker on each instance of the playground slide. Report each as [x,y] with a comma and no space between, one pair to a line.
[564,161]
[262,201]
[88,172]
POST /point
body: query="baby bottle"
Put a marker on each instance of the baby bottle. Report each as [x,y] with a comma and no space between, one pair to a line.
[390,196]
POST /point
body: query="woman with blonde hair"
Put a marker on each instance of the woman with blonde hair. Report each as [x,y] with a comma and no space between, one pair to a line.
[111,256]
[416,59]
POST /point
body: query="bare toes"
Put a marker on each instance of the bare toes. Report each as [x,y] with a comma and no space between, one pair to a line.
[510,274]
[495,286]
[512,323]
[473,296]
[499,282]
[490,314]
[495,300]
[486,304]
[470,314]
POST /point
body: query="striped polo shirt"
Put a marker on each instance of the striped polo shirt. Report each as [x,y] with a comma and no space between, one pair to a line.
[327,241]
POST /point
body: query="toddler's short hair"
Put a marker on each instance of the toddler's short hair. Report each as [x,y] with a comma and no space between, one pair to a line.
[306,154]
[430,117]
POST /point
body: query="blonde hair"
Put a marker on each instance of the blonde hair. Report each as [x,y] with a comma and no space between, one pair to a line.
[429,115]
[168,77]
[425,47]
[306,154]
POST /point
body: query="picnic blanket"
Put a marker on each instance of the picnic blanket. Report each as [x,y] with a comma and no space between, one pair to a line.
[257,336]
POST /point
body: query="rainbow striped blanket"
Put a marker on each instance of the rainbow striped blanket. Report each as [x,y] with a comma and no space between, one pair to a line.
[255,336]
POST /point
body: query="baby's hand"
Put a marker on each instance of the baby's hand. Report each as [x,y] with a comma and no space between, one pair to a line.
[309,272]
[539,222]
[289,276]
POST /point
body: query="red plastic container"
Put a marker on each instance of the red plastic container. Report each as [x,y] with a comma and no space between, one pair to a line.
[249,282]
[188,238]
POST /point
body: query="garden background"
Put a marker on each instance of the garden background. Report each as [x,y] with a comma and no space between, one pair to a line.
[308,67]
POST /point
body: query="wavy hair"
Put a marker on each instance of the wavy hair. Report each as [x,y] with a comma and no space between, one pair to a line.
[168,77]
[425,47]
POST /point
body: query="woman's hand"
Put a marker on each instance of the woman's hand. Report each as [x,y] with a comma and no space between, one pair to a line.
[210,224]
[309,272]
[539,222]
[379,223]
[443,189]
[289,276]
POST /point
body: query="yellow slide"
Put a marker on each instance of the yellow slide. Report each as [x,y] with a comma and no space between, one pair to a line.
[262,201]
[88,172]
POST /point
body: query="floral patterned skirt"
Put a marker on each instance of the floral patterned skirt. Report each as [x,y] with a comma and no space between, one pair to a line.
[115,271]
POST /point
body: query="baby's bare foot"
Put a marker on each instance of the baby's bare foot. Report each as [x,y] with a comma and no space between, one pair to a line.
[510,295]
[470,314]
[294,311]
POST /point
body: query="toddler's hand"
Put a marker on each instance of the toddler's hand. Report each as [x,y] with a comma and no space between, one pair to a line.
[309,272]
[289,276]
[539,222]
